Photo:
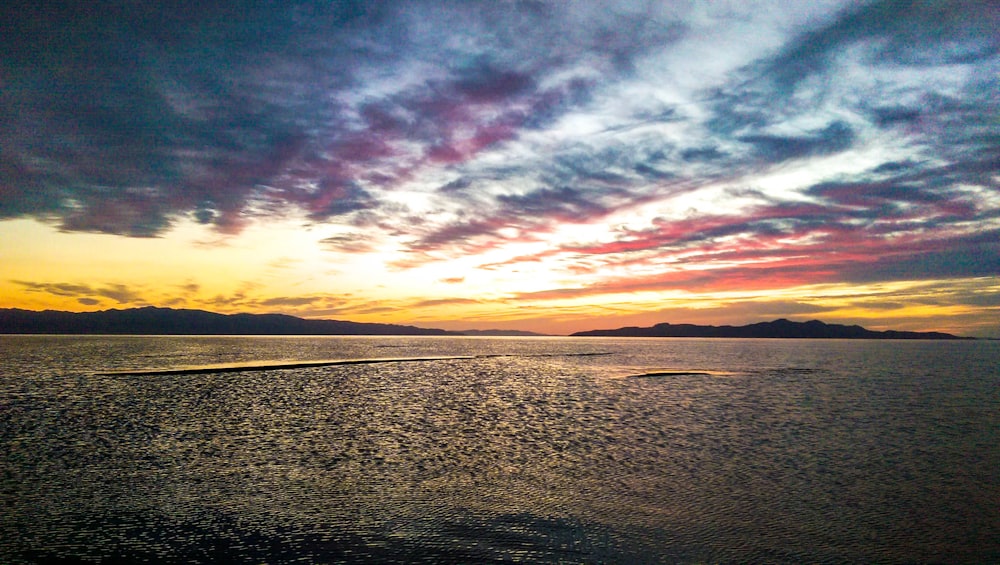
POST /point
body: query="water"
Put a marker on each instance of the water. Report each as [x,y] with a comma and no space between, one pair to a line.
[786,451]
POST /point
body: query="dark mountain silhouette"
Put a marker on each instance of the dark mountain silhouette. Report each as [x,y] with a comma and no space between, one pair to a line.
[168,321]
[777,329]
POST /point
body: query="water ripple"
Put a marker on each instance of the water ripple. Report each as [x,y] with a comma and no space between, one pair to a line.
[506,451]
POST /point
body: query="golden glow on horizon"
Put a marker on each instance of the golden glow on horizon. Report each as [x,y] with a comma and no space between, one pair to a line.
[281,268]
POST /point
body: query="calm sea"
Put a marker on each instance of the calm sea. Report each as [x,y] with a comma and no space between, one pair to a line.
[532,450]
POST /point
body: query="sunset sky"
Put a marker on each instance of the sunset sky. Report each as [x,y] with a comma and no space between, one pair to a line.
[546,166]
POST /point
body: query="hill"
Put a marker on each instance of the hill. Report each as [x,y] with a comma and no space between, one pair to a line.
[777,329]
[168,321]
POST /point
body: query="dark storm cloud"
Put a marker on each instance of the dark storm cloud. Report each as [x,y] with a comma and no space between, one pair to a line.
[920,33]
[913,191]
[959,257]
[121,118]
[834,138]
[701,154]
[559,204]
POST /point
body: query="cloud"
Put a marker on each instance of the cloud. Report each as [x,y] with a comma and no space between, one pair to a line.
[970,256]
[290,301]
[127,120]
[563,204]
[348,243]
[59,289]
[774,113]
[120,294]
[190,288]
[835,137]
[443,302]
[904,226]
[913,33]
[830,71]
[85,294]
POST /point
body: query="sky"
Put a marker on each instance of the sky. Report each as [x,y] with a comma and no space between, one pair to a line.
[545,166]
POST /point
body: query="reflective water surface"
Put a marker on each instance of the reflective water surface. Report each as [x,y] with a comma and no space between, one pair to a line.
[533,450]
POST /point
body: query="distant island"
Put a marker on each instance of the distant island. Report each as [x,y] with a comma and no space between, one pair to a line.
[781,328]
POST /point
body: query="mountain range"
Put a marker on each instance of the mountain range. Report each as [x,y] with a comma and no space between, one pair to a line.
[151,320]
[169,321]
[780,328]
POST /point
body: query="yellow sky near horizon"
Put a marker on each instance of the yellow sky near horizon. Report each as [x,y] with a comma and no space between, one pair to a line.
[281,269]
